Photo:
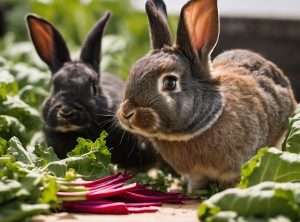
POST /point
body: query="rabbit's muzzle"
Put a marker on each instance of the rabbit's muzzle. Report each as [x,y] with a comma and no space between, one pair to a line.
[66,112]
[139,120]
[64,117]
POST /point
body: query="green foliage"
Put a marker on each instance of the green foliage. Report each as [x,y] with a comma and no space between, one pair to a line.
[292,140]
[262,201]
[126,32]
[28,180]
[125,40]
[89,159]
[22,90]
[271,165]
[157,179]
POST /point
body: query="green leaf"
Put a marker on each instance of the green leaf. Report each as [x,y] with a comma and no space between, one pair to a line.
[50,188]
[8,189]
[3,146]
[29,75]
[27,115]
[271,165]
[292,139]
[89,159]
[8,85]
[18,211]
[267,199]
[11,126]
[16,149]
[33,95]
[44,156]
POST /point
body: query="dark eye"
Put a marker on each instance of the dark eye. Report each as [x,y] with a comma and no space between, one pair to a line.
[93,90]
[170,83]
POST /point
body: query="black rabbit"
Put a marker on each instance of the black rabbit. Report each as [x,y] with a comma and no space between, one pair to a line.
[82,104]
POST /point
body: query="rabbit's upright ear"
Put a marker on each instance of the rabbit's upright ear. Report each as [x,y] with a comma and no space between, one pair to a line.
[91,49]
[159,28]
[198,29]
[48,42]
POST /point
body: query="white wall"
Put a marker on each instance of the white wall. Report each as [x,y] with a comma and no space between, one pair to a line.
[284,9]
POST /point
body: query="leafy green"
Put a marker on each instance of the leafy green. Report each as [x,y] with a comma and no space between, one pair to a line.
[271,164]
[267,199]
[28,180]
[28,75]
[11,126]
[32,95]
[89,159]
[8,85]
[157,179]
[19,101]
[18,211]
[16,150]
[292,139]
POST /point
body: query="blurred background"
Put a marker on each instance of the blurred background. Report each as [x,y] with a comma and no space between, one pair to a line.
[270,27]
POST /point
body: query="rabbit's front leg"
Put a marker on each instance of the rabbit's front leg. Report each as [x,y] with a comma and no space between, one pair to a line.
[197,183]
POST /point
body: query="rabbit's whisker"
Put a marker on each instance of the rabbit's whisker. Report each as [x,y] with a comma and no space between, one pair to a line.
[151,101]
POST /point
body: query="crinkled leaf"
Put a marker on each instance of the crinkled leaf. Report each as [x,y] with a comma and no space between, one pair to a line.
[33,95]
[3,146]
[27,115]
[44,156]
[230,216]
[17,211]
[8,85]
[29,75]
[11,126]
[271,165]
[292,139]
[89,159]
[267,199]
[16,149]
[8,189]
[9,169]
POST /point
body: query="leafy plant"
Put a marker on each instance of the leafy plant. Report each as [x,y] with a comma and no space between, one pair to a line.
[22,89]
[28,180]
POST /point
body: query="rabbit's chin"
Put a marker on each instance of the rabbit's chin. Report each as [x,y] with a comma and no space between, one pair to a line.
[67,128]
[157,135]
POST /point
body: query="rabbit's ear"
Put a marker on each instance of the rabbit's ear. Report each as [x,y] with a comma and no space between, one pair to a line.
[48,42]
[198,29]
[91,49]
[159,28]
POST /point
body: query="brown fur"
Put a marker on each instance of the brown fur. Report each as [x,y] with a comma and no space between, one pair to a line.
[219,114]
[252,118]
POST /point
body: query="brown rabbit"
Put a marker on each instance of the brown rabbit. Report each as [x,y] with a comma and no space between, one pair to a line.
[205,118]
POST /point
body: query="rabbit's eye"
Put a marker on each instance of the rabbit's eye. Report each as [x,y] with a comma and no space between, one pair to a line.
[170,83]
[93,90]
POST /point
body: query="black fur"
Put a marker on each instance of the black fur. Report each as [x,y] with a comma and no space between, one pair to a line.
[79,106]
[159,29]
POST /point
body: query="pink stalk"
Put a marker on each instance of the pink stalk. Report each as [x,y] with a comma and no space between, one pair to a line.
[93,182]
[109,192]
[95,189]
[110,195]
[101,202]
[111,208]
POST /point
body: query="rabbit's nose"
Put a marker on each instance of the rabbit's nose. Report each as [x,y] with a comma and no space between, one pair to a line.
[127,110]
[128,115]
[66,112]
